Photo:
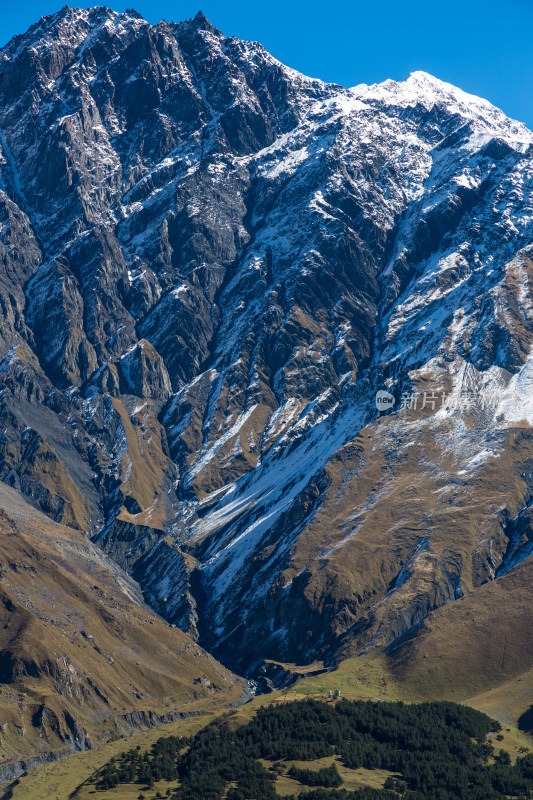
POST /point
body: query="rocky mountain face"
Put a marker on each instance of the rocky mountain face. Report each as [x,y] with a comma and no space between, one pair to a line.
[210,264]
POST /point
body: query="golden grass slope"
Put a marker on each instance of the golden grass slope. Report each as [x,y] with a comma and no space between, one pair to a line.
[82,658]
[477,650]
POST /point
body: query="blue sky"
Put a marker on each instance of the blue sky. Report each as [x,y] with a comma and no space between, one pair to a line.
[482,47]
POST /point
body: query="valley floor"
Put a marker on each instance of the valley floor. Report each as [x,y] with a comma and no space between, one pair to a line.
[363,678]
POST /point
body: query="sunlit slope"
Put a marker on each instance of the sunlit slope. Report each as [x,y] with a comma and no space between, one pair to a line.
[82,658]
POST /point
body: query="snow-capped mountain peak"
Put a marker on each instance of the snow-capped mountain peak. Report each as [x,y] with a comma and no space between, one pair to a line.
[421,88]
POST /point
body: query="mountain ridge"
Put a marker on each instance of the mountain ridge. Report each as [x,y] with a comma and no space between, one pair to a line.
[221,262]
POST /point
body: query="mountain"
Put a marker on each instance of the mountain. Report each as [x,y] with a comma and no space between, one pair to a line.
[210,265]
[82,658]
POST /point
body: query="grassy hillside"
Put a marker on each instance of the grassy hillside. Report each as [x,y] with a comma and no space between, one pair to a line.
[82,658]
[472,645]
[57,780]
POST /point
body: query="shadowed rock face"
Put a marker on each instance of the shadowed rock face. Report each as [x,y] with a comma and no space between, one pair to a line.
[209,265]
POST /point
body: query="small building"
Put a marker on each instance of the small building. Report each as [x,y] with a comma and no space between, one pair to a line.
[337,693]
[330,695]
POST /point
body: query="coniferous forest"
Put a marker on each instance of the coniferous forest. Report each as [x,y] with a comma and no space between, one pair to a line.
[438,751]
